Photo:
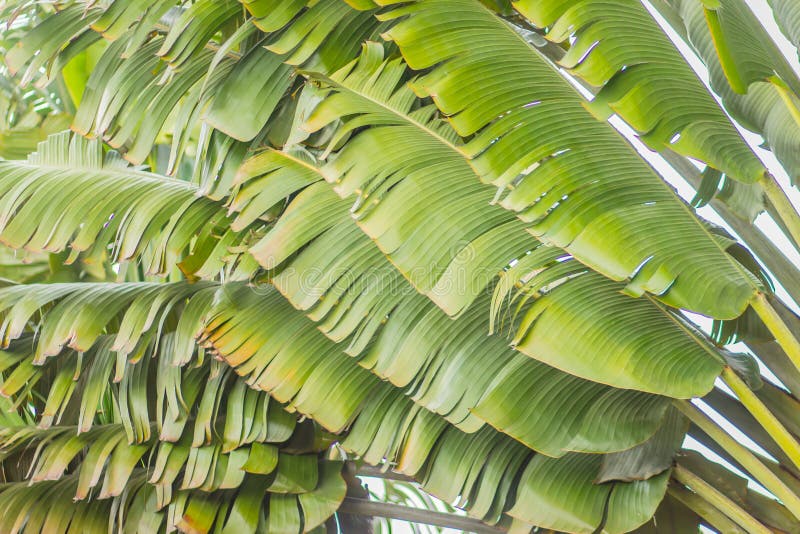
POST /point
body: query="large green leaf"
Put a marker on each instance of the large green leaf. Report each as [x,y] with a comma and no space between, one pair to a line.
[612,340]
[573,179]
[129,99]
[583,506]
[618,47]
[745,50]
[651,457]
[572,315]
[338,393]
[449,242]
[761,109]
[65,32]
[69,193]
[787,15]
[259,77]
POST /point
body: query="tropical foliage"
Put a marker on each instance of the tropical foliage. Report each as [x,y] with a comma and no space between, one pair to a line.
[285,240]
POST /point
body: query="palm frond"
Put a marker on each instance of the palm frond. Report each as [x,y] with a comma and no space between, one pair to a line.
[366,404]
[309,386]
[555,186]
[618,47]
[760,109]
[69,193]
[452,271]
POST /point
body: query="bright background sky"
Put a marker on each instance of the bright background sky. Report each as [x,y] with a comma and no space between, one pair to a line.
[764,222]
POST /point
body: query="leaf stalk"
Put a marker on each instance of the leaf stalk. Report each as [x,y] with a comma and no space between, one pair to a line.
[726,59]
[718,500]
[766,418]
[786,95]
[778,328]
[355,506]
[704,509]
[783,206]
[743,455]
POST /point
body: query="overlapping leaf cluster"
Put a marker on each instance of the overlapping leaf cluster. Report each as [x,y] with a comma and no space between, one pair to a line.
[387,232]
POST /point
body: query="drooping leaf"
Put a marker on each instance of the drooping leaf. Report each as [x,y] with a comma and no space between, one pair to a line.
[761,109]
[259,77]
[338,393]
[618,47]
[51,36]
[46,204]
[787,15]
[474,240]
[614,231]
[652,457]
[583,506]
[370,92]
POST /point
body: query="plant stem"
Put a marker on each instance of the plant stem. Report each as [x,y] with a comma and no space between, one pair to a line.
[783,335]
[377,472]
[780,201]
[726,59]
[735,413]
[355,506]
[743,455]
[766,418]
[720,501]
[704,509]
[786,96]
